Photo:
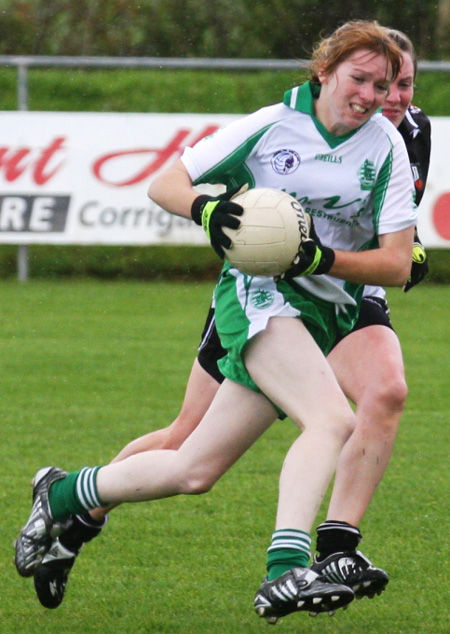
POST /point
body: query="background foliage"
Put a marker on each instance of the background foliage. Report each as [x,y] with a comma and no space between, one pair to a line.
[207,28]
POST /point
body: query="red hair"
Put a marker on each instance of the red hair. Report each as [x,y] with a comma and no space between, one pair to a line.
[351,37]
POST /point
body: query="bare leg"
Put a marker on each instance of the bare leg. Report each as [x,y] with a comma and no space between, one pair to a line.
[200,392]
[302,383]
[235,419]
[51,577]
[369,367]
[238,416]
[287,364]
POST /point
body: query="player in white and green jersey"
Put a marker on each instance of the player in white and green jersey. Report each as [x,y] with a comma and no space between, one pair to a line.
[353,186]
[283,356]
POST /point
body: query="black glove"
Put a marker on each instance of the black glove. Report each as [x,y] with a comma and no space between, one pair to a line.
[312,259]
[419,267]
[215,212]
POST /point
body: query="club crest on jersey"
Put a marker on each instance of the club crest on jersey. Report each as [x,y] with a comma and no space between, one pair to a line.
[366,175]
[418,181]
[261,298]
[285,161]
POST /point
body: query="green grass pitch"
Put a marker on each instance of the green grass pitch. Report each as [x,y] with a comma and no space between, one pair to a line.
[86,366]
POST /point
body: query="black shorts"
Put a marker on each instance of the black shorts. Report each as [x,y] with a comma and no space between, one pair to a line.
[374,312]
[210,350]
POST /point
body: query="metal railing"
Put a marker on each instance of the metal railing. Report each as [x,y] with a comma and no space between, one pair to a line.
[23,63]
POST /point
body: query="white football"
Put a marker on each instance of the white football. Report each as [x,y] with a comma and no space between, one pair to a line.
[273,227]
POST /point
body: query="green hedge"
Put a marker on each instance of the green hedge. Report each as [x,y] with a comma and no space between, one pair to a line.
[146,263]
[147,90]
[113,262]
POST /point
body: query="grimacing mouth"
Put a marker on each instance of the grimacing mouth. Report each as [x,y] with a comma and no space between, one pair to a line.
[357,108]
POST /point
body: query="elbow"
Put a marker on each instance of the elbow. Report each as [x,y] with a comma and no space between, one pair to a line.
[401,274]
[158,187]
[157,193]
[151,191]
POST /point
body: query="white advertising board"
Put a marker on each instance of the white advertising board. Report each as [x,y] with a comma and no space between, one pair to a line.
[434,210]
[82,178]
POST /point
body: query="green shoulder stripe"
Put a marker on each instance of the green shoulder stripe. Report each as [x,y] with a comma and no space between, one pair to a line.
[232,169]
[381,186]
[348,316]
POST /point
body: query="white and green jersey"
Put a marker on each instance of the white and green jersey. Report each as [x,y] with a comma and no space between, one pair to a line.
[356,186]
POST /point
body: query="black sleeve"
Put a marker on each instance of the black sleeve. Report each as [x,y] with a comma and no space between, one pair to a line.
[417,137]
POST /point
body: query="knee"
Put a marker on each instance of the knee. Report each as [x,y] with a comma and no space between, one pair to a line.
[380,408]
[337,425]
[389,395]
[197,483]
[344,425]
[195,477]
[181,428]
[159,439]
[172,436]
[394,394]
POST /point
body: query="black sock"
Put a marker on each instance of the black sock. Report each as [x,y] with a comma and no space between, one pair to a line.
[334,537]
[83,529]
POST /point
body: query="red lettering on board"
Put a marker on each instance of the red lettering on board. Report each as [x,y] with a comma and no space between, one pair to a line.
[158,157]
[14,163]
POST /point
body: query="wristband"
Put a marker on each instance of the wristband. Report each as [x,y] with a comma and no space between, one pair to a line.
[327,259]
[207,210]
[197,208]
[315,263]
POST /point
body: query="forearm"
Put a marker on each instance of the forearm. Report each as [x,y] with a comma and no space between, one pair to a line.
[388,265]
[379,267]
[172,190]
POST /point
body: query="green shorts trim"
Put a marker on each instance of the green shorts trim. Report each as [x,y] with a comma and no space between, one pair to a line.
[244,305]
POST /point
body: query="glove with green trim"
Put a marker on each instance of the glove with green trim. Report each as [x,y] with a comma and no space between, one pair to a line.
[419,266]
[312,259]
[215,212]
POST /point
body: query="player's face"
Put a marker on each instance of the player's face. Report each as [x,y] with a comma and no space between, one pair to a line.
[400,93]
[353,92]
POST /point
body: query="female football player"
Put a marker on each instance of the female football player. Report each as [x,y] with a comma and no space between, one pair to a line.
[361,204]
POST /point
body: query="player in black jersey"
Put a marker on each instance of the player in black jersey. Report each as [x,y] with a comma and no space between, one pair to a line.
[339,536]
[369,366]
[416,131]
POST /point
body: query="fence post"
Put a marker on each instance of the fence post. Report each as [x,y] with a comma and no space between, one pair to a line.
[22,103]
[22,262]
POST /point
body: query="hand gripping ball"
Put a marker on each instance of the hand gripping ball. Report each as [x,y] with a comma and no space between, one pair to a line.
[273,227]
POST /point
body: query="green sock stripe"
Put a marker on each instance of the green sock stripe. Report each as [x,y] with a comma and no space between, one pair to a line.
[290,548]
[291,539]
[74,494]
[86,488]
